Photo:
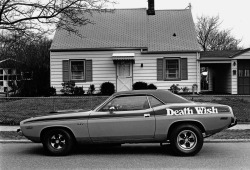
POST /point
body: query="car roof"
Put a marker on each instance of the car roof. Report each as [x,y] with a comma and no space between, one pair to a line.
[163,95]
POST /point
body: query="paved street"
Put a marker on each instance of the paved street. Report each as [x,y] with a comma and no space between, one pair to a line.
[150,156]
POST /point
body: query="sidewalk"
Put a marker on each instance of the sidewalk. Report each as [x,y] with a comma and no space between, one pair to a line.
[237,127]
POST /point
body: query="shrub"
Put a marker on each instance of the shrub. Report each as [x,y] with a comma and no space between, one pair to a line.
[49,91]
[140,85]
[152,86]
[174,88]
[78,91]
[107,88]
[185,89]
[91,89]
[143,86]
[68,87]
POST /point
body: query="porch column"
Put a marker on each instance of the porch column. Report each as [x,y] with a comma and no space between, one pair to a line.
[234,73]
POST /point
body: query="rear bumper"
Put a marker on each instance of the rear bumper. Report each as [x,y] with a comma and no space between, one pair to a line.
[233,122]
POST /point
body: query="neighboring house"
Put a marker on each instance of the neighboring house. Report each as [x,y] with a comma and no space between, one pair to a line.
[125,46]
[9,73]
[227,71]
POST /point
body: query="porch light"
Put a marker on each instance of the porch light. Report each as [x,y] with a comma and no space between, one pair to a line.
[234,64]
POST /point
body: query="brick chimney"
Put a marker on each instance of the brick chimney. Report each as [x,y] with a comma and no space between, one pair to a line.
[151,7]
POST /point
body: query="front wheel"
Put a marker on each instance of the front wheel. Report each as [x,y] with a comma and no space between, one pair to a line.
[186,140]
[57,142]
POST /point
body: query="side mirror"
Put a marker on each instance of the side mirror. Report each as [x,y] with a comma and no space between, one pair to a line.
[112,109]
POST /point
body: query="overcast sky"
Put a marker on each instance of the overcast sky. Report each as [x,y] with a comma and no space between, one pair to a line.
[235,15]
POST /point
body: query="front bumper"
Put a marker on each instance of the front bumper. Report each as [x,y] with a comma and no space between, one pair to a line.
[233,122]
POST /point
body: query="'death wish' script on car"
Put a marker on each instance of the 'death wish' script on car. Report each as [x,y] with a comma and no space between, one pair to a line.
[191,110]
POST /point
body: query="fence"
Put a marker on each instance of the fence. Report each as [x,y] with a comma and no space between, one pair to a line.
[13,109]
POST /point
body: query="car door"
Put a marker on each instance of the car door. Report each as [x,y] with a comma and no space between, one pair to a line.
[123,118]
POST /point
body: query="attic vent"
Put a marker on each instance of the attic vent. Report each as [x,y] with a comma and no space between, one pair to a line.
[174,35]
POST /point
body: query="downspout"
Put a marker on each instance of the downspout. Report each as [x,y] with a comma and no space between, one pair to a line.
[198,75]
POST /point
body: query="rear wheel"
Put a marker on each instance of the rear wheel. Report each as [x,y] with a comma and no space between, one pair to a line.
[58,142]
[186,140]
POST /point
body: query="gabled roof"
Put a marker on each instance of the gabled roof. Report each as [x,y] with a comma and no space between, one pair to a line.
[167,30]
[10,63]
[240,52]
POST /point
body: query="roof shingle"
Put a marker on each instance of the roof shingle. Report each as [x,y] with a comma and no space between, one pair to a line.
[133,28]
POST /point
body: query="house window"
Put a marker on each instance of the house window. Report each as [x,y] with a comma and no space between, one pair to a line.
[172,69]
[77,68]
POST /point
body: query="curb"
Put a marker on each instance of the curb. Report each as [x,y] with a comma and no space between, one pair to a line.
[226,140]
[205,141]
[15,141]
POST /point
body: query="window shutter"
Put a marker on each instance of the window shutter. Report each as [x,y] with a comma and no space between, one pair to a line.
[184,69]
[89,71]
[65,70]
[159,68]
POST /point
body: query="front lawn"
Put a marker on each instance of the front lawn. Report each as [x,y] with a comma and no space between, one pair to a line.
[14,110]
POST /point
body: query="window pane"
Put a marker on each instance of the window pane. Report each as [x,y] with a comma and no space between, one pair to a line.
[241,73]
[77,70]
[128,103]
[77,65]
[1,71]
[154,102]
[124,69]
[172,69]
[9,71]
[77,75]
[247,73]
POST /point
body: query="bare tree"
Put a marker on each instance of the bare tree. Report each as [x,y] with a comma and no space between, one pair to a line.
[210,37]
[28,15]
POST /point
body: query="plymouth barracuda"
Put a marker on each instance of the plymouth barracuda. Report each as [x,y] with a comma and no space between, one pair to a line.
[152,116]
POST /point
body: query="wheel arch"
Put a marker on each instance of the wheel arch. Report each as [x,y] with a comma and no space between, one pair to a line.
[43,132]
[190,122]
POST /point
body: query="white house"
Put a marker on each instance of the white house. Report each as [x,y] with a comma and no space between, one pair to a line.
[125,46]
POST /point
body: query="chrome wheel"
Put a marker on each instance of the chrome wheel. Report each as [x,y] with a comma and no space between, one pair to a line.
[187,140]
[57,141]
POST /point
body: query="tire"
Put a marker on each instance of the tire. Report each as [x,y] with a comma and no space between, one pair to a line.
[58,142]
[186,140]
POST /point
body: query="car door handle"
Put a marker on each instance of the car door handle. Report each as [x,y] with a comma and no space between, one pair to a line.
[146,115]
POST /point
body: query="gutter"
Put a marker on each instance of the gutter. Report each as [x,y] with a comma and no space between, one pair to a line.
[98,49]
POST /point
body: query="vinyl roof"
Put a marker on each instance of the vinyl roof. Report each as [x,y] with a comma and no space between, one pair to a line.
[167,30]
[163,95]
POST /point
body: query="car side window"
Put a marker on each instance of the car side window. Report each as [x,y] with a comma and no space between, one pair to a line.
[127,103]
[154,102]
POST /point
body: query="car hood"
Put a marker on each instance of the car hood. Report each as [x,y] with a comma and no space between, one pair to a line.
[58,115]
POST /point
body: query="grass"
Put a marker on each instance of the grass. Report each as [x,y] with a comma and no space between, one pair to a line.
[14,110]
[226,134]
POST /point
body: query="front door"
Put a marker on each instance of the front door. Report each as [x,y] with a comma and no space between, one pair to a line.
[124,75]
